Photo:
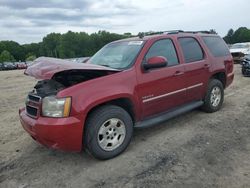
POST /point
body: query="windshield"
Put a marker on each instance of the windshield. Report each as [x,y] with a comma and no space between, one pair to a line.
[118,55]
[235,46]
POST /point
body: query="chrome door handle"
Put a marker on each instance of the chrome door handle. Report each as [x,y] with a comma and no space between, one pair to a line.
[206,66]
[178,73]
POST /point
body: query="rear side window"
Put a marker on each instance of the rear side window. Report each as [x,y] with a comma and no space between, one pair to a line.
[191,49]
[216,46]
[165,48]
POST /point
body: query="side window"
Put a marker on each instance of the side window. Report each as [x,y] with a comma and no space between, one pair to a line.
[165,48]
[216,46]
[191,49]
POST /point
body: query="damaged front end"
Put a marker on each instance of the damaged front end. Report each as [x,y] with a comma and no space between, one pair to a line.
[55,75]
[65,79]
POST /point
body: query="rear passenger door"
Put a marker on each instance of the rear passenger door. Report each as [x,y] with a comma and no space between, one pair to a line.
[196,67]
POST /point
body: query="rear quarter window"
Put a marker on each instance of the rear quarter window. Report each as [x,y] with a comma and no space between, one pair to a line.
[216,46]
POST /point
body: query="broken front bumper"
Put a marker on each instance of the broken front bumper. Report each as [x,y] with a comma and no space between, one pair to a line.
[57,133]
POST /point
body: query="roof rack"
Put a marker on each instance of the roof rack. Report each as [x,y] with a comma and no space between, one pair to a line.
[205,32]
[173,32]
[142,34]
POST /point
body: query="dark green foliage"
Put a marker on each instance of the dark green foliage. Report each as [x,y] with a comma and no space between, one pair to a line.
[16,50]
[240,35]
[6,56]
[30,57]
[213,31]
[68,45]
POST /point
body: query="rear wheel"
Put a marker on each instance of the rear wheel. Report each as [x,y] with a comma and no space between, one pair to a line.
[214,96]
[108,131]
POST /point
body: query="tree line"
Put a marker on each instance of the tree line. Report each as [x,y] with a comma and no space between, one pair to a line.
[68,45]
[240,35]
[81,44]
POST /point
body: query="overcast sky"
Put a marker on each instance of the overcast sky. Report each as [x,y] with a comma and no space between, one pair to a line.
[27,21]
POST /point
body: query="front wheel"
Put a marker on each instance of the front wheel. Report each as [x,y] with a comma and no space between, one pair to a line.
[108,132]
[214,96]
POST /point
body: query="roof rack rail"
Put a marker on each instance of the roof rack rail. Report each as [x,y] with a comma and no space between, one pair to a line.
[173,32]
[142,34]
[206,32]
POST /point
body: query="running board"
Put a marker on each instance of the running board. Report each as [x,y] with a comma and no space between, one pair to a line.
[168,115]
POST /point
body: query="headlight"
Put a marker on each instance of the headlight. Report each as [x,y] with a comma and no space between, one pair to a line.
[53,107]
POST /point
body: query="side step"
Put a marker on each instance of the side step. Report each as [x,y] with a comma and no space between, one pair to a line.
[168,115]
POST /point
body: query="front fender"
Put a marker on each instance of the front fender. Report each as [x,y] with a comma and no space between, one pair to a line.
[90,94]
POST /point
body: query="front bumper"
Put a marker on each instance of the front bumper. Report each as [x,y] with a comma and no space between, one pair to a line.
[57,133]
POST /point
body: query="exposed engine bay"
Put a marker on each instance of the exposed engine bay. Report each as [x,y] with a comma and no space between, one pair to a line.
[64,79]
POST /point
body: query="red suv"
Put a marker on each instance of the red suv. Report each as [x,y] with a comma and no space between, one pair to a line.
[135,82]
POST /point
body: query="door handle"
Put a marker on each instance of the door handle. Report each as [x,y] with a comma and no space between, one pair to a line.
[206,65]
[178,73]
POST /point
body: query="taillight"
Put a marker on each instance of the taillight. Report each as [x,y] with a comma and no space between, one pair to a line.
[229,65]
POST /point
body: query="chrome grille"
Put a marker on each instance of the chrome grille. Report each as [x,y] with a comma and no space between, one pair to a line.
[33,105]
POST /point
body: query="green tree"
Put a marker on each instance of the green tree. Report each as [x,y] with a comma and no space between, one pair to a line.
[6,56]
[128,35]
[68,45]
[30,57]
[213,31]
[241,35]
[14,48]
[32,49]
[229,37]
[51,43]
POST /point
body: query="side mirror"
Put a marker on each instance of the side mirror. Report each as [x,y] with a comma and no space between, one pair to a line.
[155,62]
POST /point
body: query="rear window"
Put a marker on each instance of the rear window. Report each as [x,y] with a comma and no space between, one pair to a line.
[191,49]
[216,46]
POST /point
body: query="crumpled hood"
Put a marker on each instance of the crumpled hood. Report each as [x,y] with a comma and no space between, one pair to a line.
[46,67]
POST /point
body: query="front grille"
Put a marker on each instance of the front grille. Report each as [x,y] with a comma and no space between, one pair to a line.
[33,105]
[34,98]
[31,111]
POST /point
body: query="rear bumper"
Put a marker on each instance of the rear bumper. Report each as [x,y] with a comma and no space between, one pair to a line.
[230,78]
[57,133]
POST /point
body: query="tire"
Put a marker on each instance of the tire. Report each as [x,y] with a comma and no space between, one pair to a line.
[210,103]
[108,132]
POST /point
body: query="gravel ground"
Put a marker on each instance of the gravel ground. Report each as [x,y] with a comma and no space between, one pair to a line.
[194,150]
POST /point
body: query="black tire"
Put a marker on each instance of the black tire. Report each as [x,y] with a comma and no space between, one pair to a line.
[208,107]
[95,120]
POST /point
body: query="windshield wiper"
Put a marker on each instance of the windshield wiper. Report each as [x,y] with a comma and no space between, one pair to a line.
[106,65]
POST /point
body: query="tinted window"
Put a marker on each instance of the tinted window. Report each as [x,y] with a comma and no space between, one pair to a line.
[216,46]
[191,49]
[163,48]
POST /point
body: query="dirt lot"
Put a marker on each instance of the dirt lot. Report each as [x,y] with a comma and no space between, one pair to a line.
[194,150]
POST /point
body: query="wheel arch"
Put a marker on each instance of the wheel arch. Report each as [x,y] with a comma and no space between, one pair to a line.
[221,76]
[124,102]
